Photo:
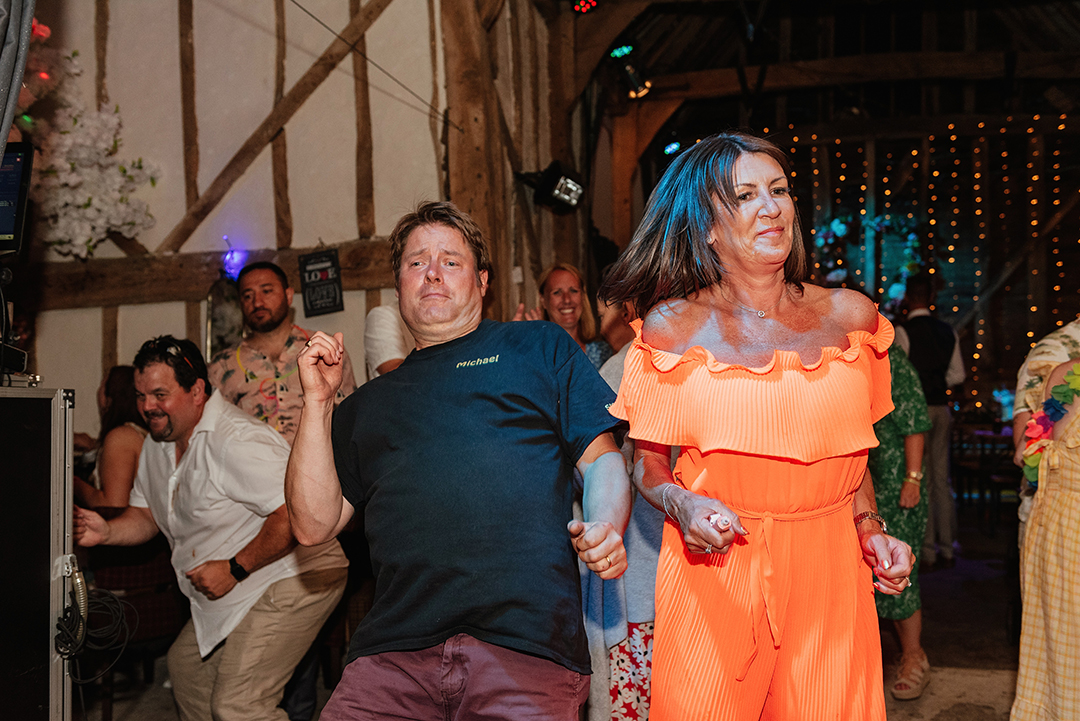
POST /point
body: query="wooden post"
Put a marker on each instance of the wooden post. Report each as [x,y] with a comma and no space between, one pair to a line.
[188,119]
[279,156]
[193,327]
[567,239]
[101,46]
[365,177]
[109,337]
[476,153]
[630,136]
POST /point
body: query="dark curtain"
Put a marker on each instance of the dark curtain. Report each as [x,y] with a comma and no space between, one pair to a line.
[16,17]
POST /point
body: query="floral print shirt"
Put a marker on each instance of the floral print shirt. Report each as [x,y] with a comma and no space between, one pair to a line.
[1050,352]
[269,388]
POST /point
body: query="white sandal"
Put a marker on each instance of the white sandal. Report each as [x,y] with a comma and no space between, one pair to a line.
[915,680]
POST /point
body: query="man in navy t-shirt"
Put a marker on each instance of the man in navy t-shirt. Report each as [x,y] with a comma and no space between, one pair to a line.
[462,461]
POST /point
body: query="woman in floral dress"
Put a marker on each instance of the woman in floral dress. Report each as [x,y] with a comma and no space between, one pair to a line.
[896,467]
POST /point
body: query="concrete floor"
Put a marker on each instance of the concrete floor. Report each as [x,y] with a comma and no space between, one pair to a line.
[969,634]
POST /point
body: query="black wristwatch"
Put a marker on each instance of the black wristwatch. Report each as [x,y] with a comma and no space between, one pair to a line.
[238,571]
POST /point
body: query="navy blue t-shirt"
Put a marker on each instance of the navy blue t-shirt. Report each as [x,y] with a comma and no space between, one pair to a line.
[461,461]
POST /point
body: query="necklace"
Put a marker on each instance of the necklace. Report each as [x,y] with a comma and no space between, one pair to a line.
[758,313]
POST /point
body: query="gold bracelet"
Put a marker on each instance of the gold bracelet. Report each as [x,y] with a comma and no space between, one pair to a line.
[873,517]
[913,482]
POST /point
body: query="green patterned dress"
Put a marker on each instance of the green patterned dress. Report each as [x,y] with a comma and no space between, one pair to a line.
[887,468]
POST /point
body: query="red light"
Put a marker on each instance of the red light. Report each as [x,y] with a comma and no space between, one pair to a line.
[584,6]
[43,75]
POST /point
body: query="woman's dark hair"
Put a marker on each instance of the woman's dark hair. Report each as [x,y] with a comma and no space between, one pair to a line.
[123,408]
[670,255]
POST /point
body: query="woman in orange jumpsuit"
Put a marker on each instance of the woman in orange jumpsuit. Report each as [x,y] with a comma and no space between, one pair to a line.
[770,387]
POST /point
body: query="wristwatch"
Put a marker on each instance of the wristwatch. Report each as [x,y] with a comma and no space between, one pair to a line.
[238,572]
[871,516]
[913,477]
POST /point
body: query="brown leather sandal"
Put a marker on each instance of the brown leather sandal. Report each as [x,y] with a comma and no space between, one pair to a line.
[916,679]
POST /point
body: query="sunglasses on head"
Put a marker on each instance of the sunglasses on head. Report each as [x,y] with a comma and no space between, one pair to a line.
[166,345]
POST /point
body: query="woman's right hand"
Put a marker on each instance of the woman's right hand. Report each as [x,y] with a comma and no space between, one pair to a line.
[708,526]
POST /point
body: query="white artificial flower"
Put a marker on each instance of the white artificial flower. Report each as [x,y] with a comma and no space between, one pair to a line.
[81,187]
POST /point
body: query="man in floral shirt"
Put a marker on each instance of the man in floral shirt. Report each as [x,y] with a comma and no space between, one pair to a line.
[259,374]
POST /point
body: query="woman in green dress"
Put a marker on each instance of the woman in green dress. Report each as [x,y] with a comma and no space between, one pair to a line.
[896,467]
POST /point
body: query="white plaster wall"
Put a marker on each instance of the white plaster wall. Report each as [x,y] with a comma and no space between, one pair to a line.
[350,323]
[72,359]
[321,136]
[404,159]
[139,323]
[143,80]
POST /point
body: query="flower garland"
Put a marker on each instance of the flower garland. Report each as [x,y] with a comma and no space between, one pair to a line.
[81,187]
[1041,426]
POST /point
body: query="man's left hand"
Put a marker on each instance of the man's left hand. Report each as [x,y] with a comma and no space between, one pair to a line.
[600,547]
[212,579]
[891,560]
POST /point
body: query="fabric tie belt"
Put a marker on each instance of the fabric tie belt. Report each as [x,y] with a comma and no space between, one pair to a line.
[770,590]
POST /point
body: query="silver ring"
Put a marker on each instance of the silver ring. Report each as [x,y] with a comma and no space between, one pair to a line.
[708,548]
[308,344]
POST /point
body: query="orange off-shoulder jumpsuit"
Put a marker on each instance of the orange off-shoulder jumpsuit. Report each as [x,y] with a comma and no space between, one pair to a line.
[784,625]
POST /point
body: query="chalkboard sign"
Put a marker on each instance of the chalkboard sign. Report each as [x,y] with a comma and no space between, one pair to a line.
[320,282]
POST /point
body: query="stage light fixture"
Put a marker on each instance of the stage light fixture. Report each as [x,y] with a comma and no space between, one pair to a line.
[639,87]
[554,188]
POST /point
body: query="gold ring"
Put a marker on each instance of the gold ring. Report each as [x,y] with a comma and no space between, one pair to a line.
[610,563]
[308,345]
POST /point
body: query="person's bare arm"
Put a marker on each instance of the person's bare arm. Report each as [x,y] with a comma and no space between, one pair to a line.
[1020,421]
[606,504]
[317,509]
[913,455]
[707,524]
[274,540]
[890,557]
[132,527]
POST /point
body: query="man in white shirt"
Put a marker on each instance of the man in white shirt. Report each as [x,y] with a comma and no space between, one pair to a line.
[934,350]
[211,479]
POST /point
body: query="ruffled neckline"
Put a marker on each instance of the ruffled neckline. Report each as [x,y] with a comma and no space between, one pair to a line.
[782,360]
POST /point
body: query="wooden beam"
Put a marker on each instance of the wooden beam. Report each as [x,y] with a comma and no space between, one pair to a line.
[560,56]
[871,68]
[476,155]
[101,46]
[630,136]
[436,124]
[275,121]
[279,152]
[193,327]
[365,264]
[130,246]
[365,174]
[110,335]
[189,122]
